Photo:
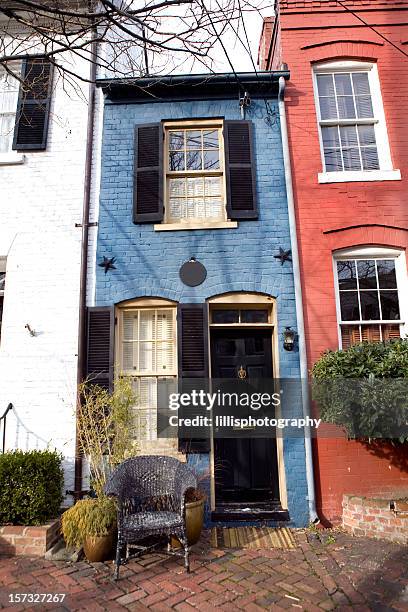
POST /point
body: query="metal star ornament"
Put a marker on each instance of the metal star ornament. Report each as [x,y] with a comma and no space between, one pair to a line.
[107,263]
[284,255]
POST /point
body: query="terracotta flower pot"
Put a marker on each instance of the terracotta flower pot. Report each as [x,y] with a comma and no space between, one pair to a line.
[98,548]
[194,523]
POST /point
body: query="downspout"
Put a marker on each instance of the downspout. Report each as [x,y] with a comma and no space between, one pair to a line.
[84,256]
[311,493]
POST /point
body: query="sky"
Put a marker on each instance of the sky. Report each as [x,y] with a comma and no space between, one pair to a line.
[235,46]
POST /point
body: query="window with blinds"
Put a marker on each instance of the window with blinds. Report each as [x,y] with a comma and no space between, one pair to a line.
[368,300]
[9,88]
[350,113]
[195,174]
[148,354]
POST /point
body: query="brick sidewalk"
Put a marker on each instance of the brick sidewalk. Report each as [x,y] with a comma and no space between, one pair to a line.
[345,574]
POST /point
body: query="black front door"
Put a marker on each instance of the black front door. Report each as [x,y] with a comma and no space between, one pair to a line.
[246,471]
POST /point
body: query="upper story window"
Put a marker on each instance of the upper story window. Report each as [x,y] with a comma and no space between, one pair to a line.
[371,294]
[195,185]
[353,133]
[9,88]
[194,174]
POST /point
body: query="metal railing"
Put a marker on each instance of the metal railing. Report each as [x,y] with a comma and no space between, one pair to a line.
[3,420]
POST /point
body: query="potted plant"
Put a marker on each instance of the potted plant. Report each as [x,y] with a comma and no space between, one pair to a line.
[107,436]
[194,508]
[195,500]
[91,523]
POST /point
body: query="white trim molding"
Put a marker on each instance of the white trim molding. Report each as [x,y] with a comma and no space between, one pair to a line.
[356,176]
[11,159]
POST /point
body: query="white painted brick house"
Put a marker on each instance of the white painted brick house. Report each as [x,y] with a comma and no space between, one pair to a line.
[42,193]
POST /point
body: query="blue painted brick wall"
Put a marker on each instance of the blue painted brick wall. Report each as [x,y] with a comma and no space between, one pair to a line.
[242,259]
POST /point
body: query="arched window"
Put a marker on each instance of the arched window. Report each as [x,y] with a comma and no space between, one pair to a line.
[147,352]
[371,292]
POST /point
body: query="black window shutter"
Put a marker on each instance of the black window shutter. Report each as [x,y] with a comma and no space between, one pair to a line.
[100,346]
[148,174]
[240,170]
[33,108]
[192,330]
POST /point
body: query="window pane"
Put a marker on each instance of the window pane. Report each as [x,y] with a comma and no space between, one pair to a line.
[349,306]
[147,360]
[343,84]
[210,139]
[386,274]
[370,159]
[366,135]
[370,309]
[177,188]
[165,356]
[330,136]
[349,136]
[164,325]
[147,329]
[225,316]
[6,132]
[2,280]
[333,160]
[176,208]
[351,158]
[254,316]
[176,161]
[361,84]
[211,160]
[130,325]
[346,271]
[328,108]
[364,107]
[176,140]
[195,187]
[194,160]
[366,274]
[346,107]
[193,139]
[213,186]
[325,85]
[389,305]
[196,208]
[213,207]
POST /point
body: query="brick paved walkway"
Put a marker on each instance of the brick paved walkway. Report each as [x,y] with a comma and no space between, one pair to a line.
[345,574]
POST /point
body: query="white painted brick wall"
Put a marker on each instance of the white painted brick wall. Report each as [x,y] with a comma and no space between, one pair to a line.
[41,200]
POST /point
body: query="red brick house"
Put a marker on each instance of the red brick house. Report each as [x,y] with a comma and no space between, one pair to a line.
[346,107]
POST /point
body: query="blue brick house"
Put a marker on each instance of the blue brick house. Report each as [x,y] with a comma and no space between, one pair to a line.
[193,214]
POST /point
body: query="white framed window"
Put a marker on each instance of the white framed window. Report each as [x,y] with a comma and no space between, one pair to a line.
[371,294]
[147,348]
[352,129]
[194,173]
[2,286]
[9,89]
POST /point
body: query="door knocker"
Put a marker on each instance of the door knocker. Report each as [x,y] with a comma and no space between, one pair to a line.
[242,372]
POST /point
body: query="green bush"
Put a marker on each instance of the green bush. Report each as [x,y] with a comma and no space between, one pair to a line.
[365,389]
[30,487]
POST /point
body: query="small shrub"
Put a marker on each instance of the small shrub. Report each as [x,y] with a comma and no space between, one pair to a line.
[88,517]
[364,389]
[30,487]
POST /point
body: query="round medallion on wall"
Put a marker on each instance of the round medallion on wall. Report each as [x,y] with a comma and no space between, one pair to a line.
[192,273]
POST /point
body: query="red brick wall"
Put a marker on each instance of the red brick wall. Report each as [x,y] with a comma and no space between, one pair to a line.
[310,31]
[376,518]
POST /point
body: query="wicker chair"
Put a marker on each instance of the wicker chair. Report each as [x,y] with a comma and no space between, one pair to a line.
[150,495]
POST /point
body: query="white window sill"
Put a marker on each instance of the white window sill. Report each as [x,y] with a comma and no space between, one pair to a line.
[194,225]
[11,159]
[353,176]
